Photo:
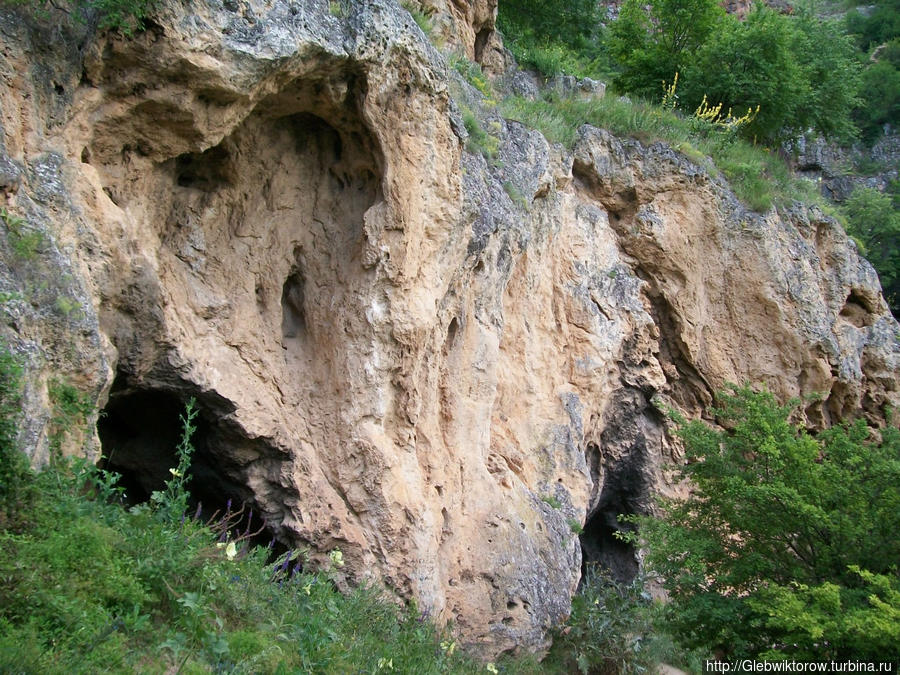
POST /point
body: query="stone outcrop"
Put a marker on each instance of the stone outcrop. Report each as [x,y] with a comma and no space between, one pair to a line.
[438,364]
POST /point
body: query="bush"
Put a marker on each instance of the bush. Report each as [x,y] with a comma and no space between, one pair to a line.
[787,546]
[768,60]
[556,37]
[15,472]
[125,16]
[875,222]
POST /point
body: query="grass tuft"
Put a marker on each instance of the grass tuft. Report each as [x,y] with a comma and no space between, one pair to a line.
[759,177]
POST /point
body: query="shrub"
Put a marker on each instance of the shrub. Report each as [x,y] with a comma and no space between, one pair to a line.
[768,60]
[87,586]
[15,472]
[873,220]
[787,546]
[758,177]
[125,16]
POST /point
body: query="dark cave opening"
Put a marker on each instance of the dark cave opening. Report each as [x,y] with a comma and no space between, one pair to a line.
[139,432]
[601,548]
[293,310]
[623,492]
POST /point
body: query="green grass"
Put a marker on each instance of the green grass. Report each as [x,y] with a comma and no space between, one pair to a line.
[25,242]
[91,588]
[88,586]
[759,177]
[422,19]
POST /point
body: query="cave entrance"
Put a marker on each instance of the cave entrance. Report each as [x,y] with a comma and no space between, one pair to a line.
[601,548]
[622,493]
[139,432]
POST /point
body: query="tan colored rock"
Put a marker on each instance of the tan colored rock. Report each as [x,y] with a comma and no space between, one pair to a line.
[270,209]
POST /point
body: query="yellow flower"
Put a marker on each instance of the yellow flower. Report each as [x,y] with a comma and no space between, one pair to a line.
[491,668]
[175,473]
[337,558]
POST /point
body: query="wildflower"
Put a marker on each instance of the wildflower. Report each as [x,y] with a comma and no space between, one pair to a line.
[386,663]
[175,473]
[448,647]
[308,588]
[491,668]
[337,558]
[230,550]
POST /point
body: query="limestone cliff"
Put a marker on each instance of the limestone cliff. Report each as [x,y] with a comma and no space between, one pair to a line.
[268,206]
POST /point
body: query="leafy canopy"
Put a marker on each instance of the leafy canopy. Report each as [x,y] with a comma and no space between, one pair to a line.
[768,60]
[788,546]
[875,222]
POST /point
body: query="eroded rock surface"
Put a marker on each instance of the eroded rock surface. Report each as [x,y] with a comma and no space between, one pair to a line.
[440,365]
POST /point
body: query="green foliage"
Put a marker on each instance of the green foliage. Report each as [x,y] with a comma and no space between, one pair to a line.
[606,629]
[562,21]
[880,90]
[556,37]
[25,242]
[70,409]
[423,21]
[654,41]
[759,178]
[475,76]
[830,77]
[335,9]
[612,630]
[787,546]
[480,141]
[873,220]
[552,501]
[768,60]
[877,27]
[88,587]
[125,16]
[172,502]
[15,473]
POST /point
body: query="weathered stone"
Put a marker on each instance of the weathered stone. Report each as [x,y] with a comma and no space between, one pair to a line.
[434,362]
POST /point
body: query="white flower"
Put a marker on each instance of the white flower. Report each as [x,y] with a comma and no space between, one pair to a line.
[337,558]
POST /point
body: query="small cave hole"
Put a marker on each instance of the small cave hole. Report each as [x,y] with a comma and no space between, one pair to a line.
[139,432]
[481,41]
[857,310]
[206,171]
[293,311]
[620,494]
[85,155]
[451,331]
[600,546]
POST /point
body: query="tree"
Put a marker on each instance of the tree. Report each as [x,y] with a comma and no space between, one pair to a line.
[873,220]
[787,546]
[651,46]
[749,63]
[768,60]
[563,21]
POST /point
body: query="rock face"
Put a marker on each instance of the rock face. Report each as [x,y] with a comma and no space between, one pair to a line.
[437,364]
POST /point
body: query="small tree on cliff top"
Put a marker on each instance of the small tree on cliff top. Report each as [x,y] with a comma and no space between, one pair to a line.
[788,545]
